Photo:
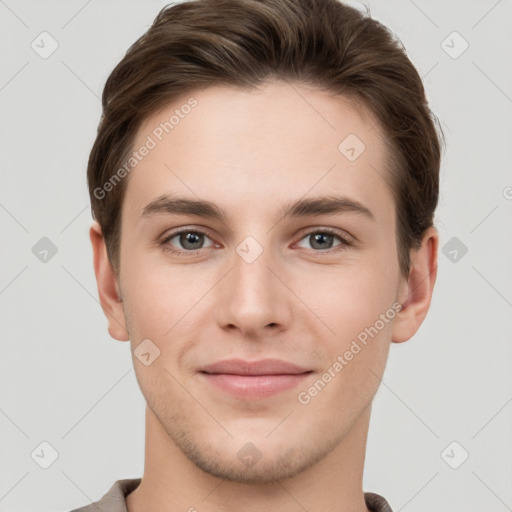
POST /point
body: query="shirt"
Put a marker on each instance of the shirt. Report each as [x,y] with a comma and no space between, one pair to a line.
[115,499]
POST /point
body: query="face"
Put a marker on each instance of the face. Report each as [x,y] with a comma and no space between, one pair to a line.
[259,264]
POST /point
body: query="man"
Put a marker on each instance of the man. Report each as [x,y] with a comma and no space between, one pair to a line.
[264,181]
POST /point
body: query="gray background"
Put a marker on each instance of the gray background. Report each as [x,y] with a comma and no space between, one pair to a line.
[64,381]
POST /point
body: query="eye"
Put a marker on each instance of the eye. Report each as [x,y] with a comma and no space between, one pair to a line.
[322,240]
[189,240]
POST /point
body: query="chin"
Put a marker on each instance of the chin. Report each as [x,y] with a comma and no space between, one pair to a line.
[262,461]
[268,469]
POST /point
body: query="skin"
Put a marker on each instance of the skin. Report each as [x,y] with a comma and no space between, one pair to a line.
[297,302]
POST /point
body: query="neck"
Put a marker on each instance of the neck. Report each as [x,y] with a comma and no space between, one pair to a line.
[172,482]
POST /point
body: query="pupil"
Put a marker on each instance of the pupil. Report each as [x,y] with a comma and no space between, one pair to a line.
[190,238]
[321,237]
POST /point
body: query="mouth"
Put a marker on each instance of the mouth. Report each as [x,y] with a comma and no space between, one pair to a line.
[253,379]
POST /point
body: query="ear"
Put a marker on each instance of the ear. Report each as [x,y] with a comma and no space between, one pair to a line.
[108,288]
[416,291]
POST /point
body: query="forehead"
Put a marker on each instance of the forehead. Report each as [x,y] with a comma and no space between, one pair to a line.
[280,141]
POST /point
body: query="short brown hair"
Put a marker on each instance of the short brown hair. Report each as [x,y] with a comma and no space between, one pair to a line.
[243,43]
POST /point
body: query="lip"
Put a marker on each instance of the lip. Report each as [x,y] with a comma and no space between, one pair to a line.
[261,367]
[253,379]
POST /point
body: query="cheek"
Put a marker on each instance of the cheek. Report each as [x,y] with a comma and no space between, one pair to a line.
[350,298]
[159,296]
[356,304]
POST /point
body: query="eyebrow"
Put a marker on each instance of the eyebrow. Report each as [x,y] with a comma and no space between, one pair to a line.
[301,208]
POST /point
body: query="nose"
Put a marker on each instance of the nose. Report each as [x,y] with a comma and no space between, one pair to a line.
[252,298]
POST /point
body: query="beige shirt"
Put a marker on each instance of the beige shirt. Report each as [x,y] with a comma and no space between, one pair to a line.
[115,499]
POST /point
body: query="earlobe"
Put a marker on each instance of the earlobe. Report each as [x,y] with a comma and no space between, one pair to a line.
[108,288]
[416,293]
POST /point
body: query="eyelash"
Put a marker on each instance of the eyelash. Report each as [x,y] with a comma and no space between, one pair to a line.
[343,245]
